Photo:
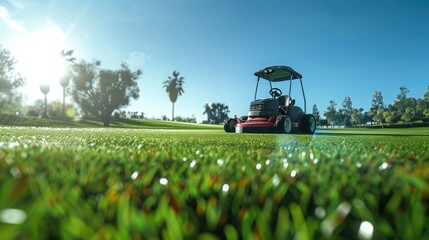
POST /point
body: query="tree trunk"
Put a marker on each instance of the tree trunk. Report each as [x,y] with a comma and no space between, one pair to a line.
[172,113]
[45,111]
[64,102]
[105,120]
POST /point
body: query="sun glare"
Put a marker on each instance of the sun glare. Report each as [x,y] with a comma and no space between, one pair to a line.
[40,62]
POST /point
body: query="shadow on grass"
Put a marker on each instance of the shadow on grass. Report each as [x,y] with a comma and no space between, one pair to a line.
[375,133]
[129,121]
[90,123]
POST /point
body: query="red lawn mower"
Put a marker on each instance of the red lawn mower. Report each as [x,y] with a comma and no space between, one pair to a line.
[277,114]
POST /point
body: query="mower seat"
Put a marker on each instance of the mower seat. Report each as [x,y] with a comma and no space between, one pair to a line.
[283,99]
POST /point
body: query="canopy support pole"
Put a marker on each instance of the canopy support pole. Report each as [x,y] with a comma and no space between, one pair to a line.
[303,94]
[289,98]
[256,90]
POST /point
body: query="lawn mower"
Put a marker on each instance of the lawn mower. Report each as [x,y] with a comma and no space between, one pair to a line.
[277,114]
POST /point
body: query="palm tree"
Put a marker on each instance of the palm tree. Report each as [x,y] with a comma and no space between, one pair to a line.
[174,87]
[65,79]
[208,111]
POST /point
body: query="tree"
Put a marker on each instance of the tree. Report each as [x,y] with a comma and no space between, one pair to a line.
[99,92]
[347,105]
[422,107]
[136,114]
[376,103]
[425,104]
[346,112]
[165,118]
[316,113]
[191,119]
[65,79]
[426,95]
[323,122]
[37,109]
[331,113]
[357,116]
[391,116]
[216,112]
[10,81]
[174,87]
[366,118]
[426,113]
[56,110]
[379,117]
[377,100]
[401,100]
[207,110]
[409,115]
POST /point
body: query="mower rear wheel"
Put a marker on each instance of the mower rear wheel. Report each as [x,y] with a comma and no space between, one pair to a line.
[229,125]
[284,124]
[308,123]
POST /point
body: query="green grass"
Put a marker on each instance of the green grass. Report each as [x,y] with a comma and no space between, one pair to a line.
[19,120]
[414,131]
[98,183]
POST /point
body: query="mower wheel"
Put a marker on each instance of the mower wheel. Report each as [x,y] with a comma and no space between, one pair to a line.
[229,125]
[284,124]
[308,123]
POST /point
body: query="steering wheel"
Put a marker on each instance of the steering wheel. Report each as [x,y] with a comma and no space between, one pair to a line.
[275,92]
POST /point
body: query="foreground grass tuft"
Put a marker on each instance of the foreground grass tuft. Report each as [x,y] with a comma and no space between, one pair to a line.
[181,184]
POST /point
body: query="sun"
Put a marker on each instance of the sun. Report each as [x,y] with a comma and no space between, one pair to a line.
[40,62]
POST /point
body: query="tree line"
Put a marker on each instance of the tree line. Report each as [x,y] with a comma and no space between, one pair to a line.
[403,109]
[100,92]
[95,91]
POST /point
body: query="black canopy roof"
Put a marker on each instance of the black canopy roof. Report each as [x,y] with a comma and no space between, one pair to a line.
[278,73]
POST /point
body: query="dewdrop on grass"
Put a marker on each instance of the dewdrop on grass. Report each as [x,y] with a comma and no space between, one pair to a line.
[219,162]
[163,181]
[12,216]
[275,180]
[366,230]
[384,166]
[225,188]
[134,175]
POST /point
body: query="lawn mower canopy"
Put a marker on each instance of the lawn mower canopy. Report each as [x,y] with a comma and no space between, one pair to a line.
[278,73]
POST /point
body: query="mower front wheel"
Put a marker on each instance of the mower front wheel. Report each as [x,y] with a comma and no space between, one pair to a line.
[308,123]
[284,124]
[229,125]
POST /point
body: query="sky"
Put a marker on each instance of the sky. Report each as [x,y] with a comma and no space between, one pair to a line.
[342,48]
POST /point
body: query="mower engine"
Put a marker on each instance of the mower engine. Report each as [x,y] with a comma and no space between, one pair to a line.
[264,108]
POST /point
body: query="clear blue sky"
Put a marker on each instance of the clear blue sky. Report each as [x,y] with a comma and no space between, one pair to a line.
[342,48]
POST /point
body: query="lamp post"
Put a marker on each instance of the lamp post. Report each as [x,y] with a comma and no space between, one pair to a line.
[44,88]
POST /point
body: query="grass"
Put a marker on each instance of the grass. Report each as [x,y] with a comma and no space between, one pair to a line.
[415,131]
[27,121]
[202,184]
